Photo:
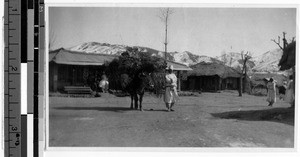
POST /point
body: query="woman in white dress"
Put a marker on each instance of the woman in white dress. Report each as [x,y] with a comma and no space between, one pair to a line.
[171,94]
[271,92]
[289,94]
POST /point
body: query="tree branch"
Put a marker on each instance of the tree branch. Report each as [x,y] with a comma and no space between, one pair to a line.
[278,43]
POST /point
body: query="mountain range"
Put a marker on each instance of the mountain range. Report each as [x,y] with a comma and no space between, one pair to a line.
[267,62]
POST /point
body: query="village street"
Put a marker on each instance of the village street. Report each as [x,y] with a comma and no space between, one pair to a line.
[209,120]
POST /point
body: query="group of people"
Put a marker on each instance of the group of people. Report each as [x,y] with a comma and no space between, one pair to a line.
[289,91]
[171,95]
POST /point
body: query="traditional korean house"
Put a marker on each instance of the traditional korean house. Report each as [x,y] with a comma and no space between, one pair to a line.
[71,68]
[258,81]
[212,77]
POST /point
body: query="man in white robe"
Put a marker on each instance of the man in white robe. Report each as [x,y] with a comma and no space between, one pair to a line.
[171,95]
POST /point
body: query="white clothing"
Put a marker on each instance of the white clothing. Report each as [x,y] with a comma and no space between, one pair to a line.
[171,95]
[271,92]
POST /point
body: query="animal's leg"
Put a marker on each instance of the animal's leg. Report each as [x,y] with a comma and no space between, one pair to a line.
[131,106]
[168,107]
[135,101]
[141,100]
[172,104]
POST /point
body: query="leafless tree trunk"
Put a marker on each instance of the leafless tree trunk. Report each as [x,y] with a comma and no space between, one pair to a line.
[164,16]
[224,57]
[285,43]
[231,58]
[241,85]
[244,84]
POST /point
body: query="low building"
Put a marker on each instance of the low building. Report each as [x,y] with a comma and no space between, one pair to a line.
[258,82]
[212,77]
[71,68]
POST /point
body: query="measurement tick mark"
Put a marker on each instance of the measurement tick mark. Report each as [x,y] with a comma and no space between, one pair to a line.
[13,43]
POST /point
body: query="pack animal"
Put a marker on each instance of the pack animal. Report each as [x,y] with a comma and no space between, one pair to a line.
[136,87]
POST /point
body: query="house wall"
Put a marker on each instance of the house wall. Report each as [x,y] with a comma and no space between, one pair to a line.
[203,83]
[230,83]
[61,75]
[210,83]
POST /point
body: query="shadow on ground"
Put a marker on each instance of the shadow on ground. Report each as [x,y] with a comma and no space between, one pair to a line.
[282,115]
[113,109]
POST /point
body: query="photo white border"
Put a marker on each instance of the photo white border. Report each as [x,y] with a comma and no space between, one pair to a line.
[132,151]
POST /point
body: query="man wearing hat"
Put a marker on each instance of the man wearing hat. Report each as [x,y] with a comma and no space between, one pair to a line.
[171,89]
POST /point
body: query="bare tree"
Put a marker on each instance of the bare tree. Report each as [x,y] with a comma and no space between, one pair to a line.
[231,54]
[244,84]
[164,15]
[224,57]
[285,43]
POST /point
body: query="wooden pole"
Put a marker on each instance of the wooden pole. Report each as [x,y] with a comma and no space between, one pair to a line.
[179,81]
[166,33]
[55,76]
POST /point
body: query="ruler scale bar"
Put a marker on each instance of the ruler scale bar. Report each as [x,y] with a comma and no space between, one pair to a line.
[24,136]
[12,78]
[24,43]
[24,31]
[36,80]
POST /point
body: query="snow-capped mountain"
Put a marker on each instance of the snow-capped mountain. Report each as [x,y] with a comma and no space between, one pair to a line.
[231,59]
[101,48]
[267,62]
[185,57]
[189,58]
[234,60]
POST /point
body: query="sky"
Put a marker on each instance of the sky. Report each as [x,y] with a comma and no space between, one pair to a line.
[202,31]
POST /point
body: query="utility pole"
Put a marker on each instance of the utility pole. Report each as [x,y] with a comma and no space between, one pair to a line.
[164,16]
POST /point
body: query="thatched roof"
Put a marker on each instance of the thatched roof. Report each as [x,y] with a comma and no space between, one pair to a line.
[63,56]
[211,69]
[288,58]
[178,66]
[260,78]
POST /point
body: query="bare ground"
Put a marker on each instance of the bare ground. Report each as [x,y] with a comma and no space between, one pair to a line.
[210,120]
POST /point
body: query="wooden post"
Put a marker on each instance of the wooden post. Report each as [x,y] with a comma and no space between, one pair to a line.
[216,83]
[73,75]
[220,83]
[55,77]
[179,80]
[241,85]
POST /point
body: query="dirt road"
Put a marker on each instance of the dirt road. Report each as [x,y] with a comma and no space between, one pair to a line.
[210,120]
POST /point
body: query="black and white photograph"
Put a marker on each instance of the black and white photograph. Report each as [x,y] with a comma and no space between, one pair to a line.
[171,76]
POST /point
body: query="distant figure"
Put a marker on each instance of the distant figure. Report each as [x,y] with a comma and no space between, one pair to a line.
[171,94]
[290,97]
[271,85]
[104,84]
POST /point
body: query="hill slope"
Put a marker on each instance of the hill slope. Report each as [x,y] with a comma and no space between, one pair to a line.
[266,62]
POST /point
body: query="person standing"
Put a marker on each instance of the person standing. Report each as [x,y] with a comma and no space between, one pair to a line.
[271,85]
[289,96]
[171,94]
[103,85]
